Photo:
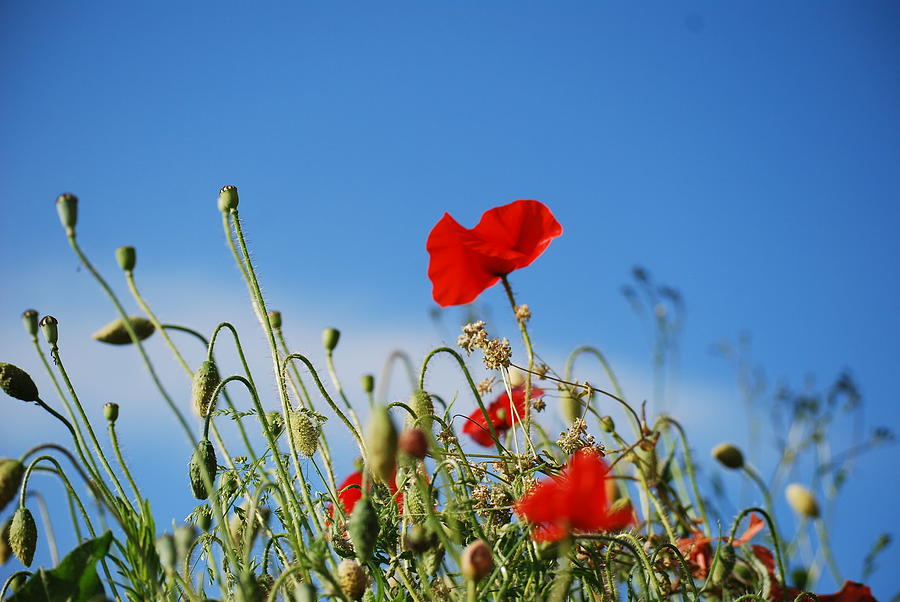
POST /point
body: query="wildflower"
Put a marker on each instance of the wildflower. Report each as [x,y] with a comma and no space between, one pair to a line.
[574,501]
[474,336]
[538,405]
[464,262]
[485,386]
[802,500]
[576,437]
[541,371]
[501,414]
[348,494]
[523,313]
[477,561]
[497,354]
[698,551]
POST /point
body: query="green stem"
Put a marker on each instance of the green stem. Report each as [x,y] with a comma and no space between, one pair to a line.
[529,350]
[129,277]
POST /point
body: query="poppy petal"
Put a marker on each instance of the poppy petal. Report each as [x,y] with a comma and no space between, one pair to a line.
[457,273]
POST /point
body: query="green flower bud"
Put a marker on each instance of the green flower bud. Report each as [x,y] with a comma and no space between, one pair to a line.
[725,565]
[802,500]
[23,535]
[228,483]
[203,518]
[570,406]
[18,582]
[381,435]
[728,455]
[116,333]
[340,542]
[304,433]
[165,547]
[11,473]
[67,207]
[204,457]
[228,198]
[330,338]
[304,592]
[30,319]
[422,404]
[126,257]
[352,579]
[368,383]
[363,528]
[111,411]
[413,443]
[607,424]
[477,561]
[275,319]
[5,549]
[16,383]
[50,327]
[203,385]
[419,539]
[184,537]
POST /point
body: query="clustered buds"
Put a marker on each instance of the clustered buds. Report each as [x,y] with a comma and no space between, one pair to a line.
[477,561]
[381,435]
[802,500]
[23,535]
[363,528]
[16,383]
[67,207]
[11,473]
[204,457]
[116,332]
[351,578]
[126,257]
[203,385]
[228,198]
[728,455]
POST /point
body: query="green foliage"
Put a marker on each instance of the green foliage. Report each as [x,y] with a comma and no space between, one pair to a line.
[75,578]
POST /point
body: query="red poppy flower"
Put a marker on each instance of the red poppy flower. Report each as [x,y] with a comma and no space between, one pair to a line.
[849,592]
[697,548]
[466,261]
[576,500]
[348,495]
[501,414]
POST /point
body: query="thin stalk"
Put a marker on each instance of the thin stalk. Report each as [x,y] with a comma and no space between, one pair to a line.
[529,350]
[129,277]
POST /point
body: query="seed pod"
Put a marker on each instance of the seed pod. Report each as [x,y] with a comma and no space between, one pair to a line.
[330,338]
[23,535]
[30,320]
[115,333]
[275,319]
[50,327]
[126,257]
[423,406]
[67,207]
[304,434]
[368,383]
[477,561]
[228,198]
[725,565]
[351,578]
[203,385]
[607,424]
[802,500]
[204,457]
[5,550]
[11,473]
[382,438]
[16,383]
[111,411]
[728,456]
[570,406]
[413,443]
[165,548]
[363,528]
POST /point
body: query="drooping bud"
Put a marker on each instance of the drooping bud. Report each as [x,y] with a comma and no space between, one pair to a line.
[50,328]
[368,383]
[363,528]
[607,424]
[126,257]
[477,561]
[204,457]
[728,456]
[111,411]
[16,383]
[5,550]
[351,578]
[67,207]
[725,565]
[330,338]
[414,443]
[30,320]
[116,333]
[304,433]
[23,535]
[11,473]
[275,319]
[381,435]
[18,582]
[228,198]
[276,423]
[570,406]
[423,406]
[203,385]
[802,500]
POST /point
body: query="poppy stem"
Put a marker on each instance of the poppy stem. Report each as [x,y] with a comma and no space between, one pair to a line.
[529,350]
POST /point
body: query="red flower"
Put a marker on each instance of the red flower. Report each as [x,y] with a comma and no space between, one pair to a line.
[849,592]
[464,261]
[501,415]
[576,500]
[699,553]
[348,495]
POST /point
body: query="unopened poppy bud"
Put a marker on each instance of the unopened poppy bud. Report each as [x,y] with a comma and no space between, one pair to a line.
[368,383]
[228,198]
[423,406]
[184,537]
[414,443]
[607,424]
[381,435]
[16,383]
[203,386]
[275,319]
[304,592]
[725,565]
[228,483]
[50,328]
[5,550]
[165,548]
[477,561]
[516,378]
[67,207]
[126,257]
[570,406]
[340,542]
[18,582]
[116,333]
[30,320]
[304,434]
[351,578]
[363,528]
[111,411]
[23,535]
[11,473]
[728,456]
[330,338]
[204,518]
[419,539]
[204,457]
[802,500]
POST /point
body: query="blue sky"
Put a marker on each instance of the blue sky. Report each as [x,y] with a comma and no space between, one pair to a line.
[746,153]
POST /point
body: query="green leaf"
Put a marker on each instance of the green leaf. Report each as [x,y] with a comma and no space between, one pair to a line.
[75,578]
